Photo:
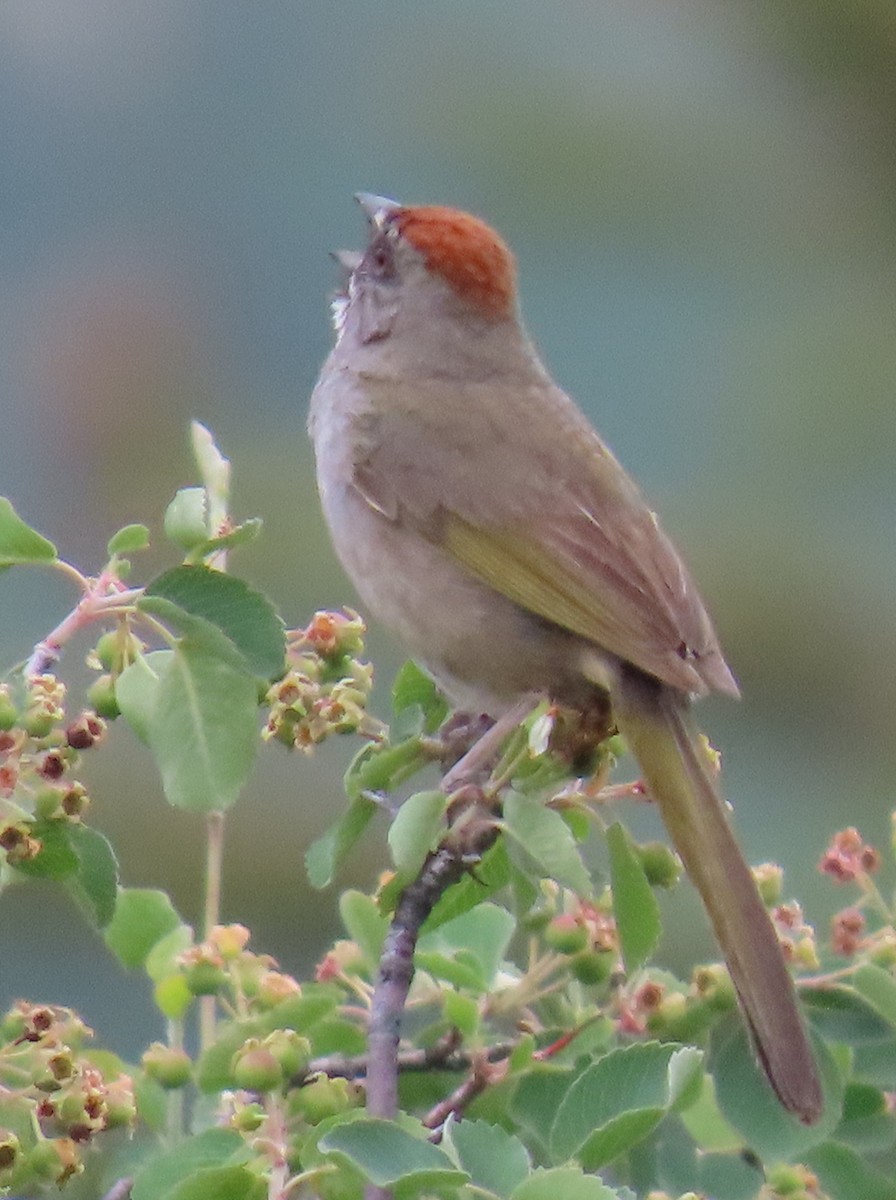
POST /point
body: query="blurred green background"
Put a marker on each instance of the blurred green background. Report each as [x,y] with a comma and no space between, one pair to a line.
[701,197]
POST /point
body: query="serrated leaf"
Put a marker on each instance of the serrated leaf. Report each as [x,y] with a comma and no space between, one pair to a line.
[186,518]
[747,1101]
[157,1178]
[57,858]
[19,543]
[387,1154]
[137,689]
[537,1097]
[127,540]
[879,988]
[94,883]
[365,924]
[495,1160]
[844,1176]
[416,830]
[325,855]
[414,688]
[634,904]
[142,916]
[203,730]
[620,1099]
[563,1183]
[547,840]
[245,616]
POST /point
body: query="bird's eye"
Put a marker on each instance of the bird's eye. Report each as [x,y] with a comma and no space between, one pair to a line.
[379,260]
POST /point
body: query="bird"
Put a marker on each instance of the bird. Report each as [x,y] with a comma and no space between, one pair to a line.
[482,519]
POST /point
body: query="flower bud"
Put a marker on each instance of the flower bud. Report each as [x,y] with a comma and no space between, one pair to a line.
[661,865]
[592,966]
[167,1065]
[256,1069]
[566,934]
[102,699]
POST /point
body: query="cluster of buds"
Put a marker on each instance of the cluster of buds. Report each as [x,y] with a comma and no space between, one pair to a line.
[796,935]
[275,1122]
[39,751]
[223,966]
[587,935]
[848,858]
[56,1097]
[326,687]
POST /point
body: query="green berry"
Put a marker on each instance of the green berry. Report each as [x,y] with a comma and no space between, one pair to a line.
[9,714]
[592,966]
[566,934]
[661,865]
[102,699]
[257,1070]
[167,1065]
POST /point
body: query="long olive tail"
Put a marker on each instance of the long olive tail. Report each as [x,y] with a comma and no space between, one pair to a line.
[658,729]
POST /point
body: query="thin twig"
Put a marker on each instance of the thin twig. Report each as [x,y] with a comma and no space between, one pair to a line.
[482,1075]
[441,1057]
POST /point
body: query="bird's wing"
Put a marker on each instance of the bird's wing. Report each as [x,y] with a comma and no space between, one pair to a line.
[528,499]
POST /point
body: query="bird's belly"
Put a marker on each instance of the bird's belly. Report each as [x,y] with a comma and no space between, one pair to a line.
[484,649]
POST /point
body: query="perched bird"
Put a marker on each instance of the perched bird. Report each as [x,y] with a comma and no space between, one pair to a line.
[482,518]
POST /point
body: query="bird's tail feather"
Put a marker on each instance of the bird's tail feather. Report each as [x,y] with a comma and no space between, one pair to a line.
[657,726]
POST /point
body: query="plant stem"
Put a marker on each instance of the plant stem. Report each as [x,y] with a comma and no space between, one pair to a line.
[214,858]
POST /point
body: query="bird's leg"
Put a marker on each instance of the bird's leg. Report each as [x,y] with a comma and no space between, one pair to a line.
[486,749]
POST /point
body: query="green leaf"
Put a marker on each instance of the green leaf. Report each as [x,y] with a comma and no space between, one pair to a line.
[137,689]
[243,615]
[381,768]
[365,924]
[204,729]
[728,1177]
[747,1101]
[705,1123]
[634,903]
[844,1176]
[547,840]
[222,1183]
[241,535]
[19,543]
[620,1099]
[416,829]
[158,1177]
[495,1160]
[459,974]
[386,1154]
[491,874]
[413,688]
[563,1183]
[94,882]
[57,858]
[879,988]
[482,934]
[867,1124]
[841,1014]
[161,960]
[142,916]
[173,997]
[876,1063]
[186,518]
[537,1098]
[325,855]
[127,540]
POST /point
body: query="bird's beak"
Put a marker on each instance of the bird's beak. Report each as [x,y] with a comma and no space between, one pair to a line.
[377,209]
[348,260]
